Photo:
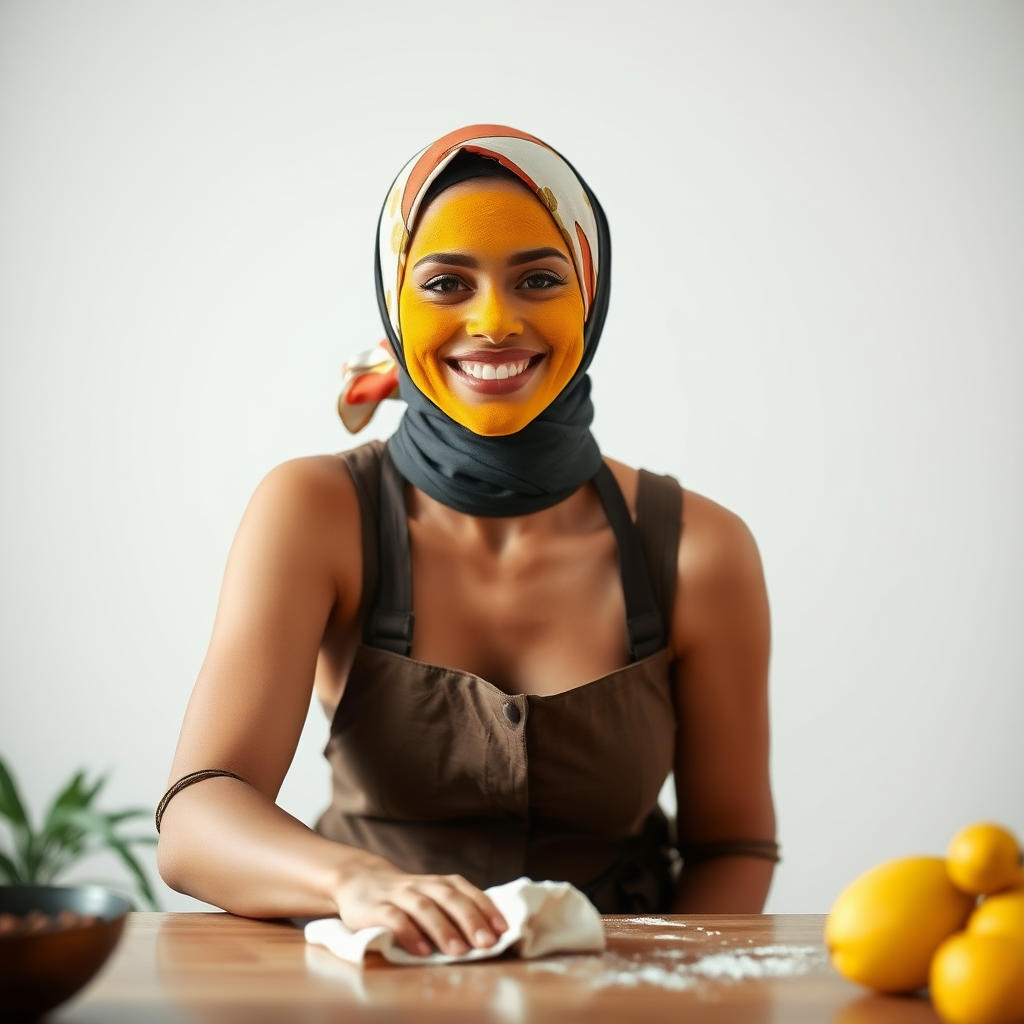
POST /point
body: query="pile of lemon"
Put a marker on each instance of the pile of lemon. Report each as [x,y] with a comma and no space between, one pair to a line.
[918,921]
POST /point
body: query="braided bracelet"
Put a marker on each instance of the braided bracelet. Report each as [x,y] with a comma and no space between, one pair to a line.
[766,849]
[184,782]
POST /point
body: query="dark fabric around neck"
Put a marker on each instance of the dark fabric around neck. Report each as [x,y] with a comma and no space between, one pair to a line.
[531,470]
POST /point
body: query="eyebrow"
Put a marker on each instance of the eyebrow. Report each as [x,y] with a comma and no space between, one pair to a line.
[517,259]
[453,259]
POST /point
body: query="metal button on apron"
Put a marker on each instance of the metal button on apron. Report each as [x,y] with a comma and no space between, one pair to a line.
[512,713]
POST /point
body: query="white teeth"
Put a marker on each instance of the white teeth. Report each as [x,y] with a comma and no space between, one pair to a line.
[490,371]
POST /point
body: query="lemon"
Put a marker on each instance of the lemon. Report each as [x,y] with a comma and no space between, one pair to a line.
[984,858]
[885,925]
[979,979]
[1001,914]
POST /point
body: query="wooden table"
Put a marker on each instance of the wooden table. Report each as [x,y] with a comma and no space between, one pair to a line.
[176,968]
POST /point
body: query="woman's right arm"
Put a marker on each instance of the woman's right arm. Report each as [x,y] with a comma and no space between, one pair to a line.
[295,562]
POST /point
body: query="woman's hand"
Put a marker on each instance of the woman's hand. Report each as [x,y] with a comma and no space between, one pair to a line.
[423,911]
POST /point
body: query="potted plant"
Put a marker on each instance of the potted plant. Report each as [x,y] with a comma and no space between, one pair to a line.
[72,829]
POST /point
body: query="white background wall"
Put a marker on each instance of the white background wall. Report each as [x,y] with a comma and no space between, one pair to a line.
[818,219]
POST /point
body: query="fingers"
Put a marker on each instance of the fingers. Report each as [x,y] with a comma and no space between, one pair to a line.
[406,934]
[452,913]
[431,920]
[444,910]
[482,901]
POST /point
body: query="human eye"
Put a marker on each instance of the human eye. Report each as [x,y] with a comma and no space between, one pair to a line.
[444,284]
[541,279]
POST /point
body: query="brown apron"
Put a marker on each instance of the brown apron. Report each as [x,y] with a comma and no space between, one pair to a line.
[441,772]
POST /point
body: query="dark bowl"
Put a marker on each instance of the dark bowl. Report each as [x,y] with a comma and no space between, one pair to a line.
[40,970]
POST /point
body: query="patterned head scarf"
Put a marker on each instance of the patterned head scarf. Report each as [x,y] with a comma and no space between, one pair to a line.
[555,453]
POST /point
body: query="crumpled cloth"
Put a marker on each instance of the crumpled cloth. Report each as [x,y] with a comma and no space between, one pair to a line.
[543,917]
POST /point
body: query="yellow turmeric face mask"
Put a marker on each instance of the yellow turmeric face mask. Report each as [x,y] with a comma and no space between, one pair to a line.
[490,308]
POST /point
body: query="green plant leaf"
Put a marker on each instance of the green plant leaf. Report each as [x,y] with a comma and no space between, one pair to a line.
[134,812]
[141,879]
[11,806]
[99,826]
[61,841]
[90,792]
[60,859]
[72,796]
[13,810]
[9,871]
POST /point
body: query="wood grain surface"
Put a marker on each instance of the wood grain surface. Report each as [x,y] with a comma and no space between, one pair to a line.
[176,968]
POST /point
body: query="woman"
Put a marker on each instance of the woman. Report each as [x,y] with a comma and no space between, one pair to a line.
[516,639]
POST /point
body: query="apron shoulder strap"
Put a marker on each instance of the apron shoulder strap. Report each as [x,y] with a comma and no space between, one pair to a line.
[390,621]
[363,464]
[659,521]
[645,626]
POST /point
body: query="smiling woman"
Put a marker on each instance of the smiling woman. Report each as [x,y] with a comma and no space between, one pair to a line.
[516,639]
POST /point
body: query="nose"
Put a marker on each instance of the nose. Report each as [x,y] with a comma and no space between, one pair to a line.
[492,317]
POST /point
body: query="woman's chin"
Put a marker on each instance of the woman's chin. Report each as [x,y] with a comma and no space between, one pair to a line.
[493,417]
[492,411]
[488,421]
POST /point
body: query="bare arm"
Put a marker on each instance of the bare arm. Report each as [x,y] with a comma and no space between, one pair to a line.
[295,561]
[721,636]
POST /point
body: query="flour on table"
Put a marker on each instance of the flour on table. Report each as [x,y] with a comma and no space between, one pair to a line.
[659,921]
[759,962]
[679,971]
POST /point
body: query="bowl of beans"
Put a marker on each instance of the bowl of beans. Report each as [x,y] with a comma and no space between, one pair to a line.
[53,939]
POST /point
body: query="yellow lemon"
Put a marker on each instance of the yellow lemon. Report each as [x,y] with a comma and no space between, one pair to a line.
[1001,914]
[984,858]
[885,925]
[979,979]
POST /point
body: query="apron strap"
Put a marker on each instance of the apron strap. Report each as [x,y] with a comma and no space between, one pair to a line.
[391,622]
[644,626]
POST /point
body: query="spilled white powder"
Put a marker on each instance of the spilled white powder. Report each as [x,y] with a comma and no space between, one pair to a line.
[649,974]
[761,962]
[659,921]
[678,971]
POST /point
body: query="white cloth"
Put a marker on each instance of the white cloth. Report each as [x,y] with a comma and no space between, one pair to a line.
[543,917]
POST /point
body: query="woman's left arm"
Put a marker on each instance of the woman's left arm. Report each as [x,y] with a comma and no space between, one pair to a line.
[721,639]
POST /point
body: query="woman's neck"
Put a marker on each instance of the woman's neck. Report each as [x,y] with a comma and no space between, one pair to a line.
[580,512]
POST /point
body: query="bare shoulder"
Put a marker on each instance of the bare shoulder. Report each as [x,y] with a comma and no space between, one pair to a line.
[305,512]
[716,545]
[720,573]
[308,487]
[716,548]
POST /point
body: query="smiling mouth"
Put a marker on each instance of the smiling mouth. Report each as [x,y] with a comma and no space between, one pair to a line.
[496,372]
